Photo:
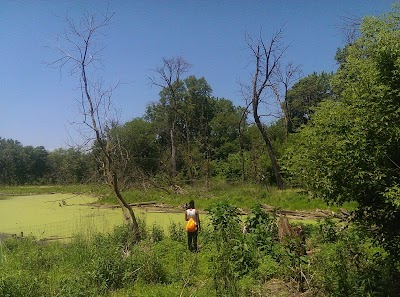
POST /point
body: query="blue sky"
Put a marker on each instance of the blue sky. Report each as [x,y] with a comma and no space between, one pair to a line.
[37,104]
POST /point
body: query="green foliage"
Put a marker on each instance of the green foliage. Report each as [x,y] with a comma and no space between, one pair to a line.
[351,150]
[21,284]
[267,269]
[353,266]
[22,164]
[176,233]
[233,257]
[305,95]
[157,233]
[230,263]
[262,229]
[327,231]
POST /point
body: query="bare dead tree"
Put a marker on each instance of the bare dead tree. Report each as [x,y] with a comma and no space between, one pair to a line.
[168,77]
[267,58]
[79,49]
[285,78]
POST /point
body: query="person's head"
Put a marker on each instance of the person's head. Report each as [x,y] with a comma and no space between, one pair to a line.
[191,204]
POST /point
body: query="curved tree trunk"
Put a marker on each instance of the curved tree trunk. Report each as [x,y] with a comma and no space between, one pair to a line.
[129,215]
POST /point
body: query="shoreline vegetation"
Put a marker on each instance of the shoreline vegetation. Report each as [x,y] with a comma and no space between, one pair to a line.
[230,262]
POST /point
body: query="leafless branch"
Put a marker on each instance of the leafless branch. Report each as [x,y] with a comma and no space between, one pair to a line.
[349,27]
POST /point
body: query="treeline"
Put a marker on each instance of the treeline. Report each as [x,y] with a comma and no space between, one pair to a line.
[212,139]
[21,165]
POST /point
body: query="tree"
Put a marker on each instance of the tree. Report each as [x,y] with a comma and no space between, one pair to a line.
[169,79]
[351,151]
[142,150]
[285,79]
[22,164]
[305,95]
[81,52]
[267,58]
[70,166]
[195,113]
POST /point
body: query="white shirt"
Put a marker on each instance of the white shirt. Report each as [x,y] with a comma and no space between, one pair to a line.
[191,213]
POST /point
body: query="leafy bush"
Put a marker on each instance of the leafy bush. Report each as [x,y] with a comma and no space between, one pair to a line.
[262,229]
[149,267]
[157,233]
[176,232]
[354,266]
[267,269]
[327,231]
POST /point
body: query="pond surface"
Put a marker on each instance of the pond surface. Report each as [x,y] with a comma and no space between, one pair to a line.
[62,215]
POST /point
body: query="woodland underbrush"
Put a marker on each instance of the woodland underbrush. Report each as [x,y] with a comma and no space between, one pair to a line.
[237,257]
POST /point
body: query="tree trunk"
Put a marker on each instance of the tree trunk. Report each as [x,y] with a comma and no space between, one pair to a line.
[271,153]
[189,154]
[173,150]
[112,179]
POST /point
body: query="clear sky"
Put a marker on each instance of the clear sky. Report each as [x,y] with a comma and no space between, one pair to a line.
[37,104]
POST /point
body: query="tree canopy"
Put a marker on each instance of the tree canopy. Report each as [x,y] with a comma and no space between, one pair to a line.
[351,150]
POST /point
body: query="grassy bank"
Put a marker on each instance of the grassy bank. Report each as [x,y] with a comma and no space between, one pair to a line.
[243,196]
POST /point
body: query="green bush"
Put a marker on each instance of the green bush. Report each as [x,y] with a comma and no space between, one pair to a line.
[233,257]
[176,232]
[354,266]
[262,229]
[267,269]
[157,233]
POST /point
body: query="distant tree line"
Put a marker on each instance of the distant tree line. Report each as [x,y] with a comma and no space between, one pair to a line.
[213,139]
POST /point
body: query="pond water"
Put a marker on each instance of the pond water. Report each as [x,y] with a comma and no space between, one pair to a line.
[62,215]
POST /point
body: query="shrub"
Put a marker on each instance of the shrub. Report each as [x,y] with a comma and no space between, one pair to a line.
[267,269]
[354,266]
[262,229]
[233,258]
[157,233]
[176,232]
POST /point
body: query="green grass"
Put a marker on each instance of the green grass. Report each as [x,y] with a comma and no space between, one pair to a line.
[242,196]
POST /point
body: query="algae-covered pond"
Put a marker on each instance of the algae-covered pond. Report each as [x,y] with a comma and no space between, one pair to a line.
[62,215]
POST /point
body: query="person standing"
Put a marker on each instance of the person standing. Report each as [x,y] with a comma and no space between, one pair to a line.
[192,213]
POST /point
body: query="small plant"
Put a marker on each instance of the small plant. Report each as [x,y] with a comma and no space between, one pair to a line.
[232,258]
[157,233]
[150,269]
[328,231]
[176,232]
[262,229]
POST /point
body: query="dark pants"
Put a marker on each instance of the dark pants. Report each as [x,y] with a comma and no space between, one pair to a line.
[192,241]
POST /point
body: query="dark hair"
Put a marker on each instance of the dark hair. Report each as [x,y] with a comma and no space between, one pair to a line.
[191,204]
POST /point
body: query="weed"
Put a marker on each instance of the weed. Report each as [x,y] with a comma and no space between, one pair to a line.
[176,232]
[157,233]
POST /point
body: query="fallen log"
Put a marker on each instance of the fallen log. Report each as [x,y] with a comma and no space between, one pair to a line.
[301,214]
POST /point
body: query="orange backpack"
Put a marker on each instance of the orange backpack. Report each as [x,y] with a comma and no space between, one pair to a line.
[191,225]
